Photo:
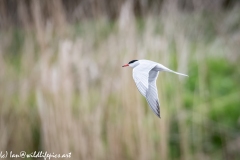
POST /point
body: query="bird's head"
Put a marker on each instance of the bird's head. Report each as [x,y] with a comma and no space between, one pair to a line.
[132,63]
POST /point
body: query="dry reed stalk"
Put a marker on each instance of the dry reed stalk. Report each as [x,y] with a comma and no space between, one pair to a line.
[38,22]
[164,125]
[23,15]
[202,71]
[183,128]
[88,104]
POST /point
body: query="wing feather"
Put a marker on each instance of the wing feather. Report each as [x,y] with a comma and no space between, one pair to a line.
[140,76]
[152,93]
[145,79]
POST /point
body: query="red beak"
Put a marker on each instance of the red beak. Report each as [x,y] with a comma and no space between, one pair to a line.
[125,65]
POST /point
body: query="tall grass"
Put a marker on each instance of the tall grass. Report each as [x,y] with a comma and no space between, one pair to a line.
[68,93]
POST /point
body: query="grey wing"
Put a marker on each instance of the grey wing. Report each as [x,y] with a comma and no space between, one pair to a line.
[145,78]
[141,75]
[142,88]
[152,92]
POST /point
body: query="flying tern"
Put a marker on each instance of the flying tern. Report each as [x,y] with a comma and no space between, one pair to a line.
[145,73]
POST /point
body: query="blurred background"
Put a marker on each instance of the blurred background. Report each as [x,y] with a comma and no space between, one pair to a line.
[62,87]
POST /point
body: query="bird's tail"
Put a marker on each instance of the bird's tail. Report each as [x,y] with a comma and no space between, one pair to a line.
[169,70]
[178,73]
[163,68]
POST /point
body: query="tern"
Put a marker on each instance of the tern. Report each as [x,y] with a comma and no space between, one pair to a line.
[145,73]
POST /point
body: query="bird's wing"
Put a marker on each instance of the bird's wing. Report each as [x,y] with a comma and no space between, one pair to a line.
[152,92]
[140,76]
[145,79]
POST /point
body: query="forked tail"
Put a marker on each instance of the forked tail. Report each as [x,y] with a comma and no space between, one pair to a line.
[178,73]
[169,70]
[163,68]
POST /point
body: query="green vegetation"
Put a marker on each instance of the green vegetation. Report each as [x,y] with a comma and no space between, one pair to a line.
[71,94]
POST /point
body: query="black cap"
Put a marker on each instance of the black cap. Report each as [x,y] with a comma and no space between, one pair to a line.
[132,61]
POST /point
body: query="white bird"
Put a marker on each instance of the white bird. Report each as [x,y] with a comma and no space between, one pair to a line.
[145,74]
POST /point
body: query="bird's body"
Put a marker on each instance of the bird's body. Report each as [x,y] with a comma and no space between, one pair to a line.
[145,74]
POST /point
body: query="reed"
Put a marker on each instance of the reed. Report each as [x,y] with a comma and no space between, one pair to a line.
[68,92]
